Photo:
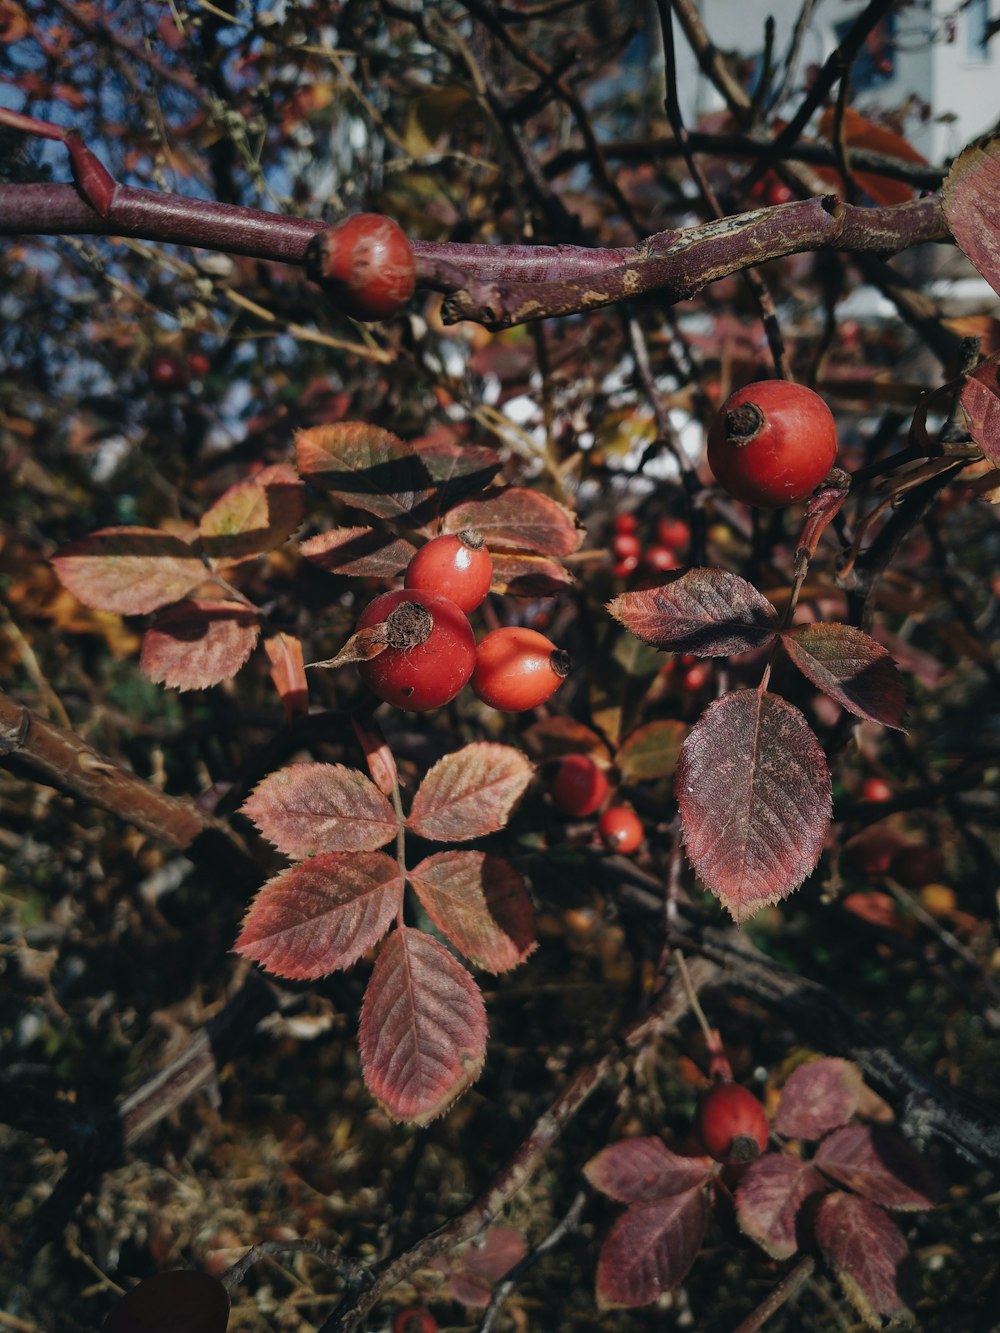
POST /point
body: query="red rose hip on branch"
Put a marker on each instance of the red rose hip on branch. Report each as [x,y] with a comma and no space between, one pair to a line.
[518,668]
[621,828]
[457,566]
[430,650]
[732,1124]
[579,786]
[365,265]
[772,443]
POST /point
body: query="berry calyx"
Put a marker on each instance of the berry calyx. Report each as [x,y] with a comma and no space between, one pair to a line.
[458,567]
[579,786]
[772,443]
[732,1124]
[430,649]
[518,668]
[365,265]
[178,1302]
[621,828]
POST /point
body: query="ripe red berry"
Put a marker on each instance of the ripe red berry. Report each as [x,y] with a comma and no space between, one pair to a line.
[431,649]
[772,443]
[167,372]
[672,532]
[458,567]
[695,677]
[876,789]
[625,544]
[660,559]
[414,1319]
[199,364]
[517,669]
[627,565]
[180,1302]
[732,1124]
[626,523]
[621,829]
[365,265]
[579,786]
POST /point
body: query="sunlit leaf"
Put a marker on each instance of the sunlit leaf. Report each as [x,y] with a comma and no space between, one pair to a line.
[359,552]
[851,668]
[129,570]
[364,466]
[254,515]
[969,200]
[651,751]
[521,519]
[284,652]
[707,612]
[481,904]
[192,645]
[470,793]
[309,808]
[518,575]
[980,400]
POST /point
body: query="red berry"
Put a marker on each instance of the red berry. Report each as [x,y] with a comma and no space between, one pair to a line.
[457,567]
[579,787]
[517,669]
[626,523]
[625,544]
[414,1319]
[431,649]
[660,559]
[672,532]
[732,1124]
[167,372]
[627,565]
[621,828]
[876,789]
[779,193]
[696,676]
[199,364]
[180,1302]
[365,265]
[772,443]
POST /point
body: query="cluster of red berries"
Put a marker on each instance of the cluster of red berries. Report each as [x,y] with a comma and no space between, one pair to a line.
[426,648]
[673,537]
[580,787]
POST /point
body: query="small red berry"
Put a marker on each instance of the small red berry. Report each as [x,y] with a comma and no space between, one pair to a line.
[199,364]
[167,372]
[625,544]
[431,649]
[672,532]
[876,789]
[458,567]
[579,786]
[772,443]
[732,1124]
[365,264]
[621,829]
[518,668]
[177,1302]
[660,559]
[626,523]
[414,1319]
[627,565]
[695,677]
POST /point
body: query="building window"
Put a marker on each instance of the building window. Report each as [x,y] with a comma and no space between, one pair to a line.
[977,22]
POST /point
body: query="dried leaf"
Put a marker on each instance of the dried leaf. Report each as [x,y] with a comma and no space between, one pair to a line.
[520,519]
[193,645]
[969,198]
[643,1169]
[651,751]
[470,793]
[284,652]
[378,755]
[859,132]
[359,552]
[769,1198]
[875,1162]
[423,1028]
[868,1253]
[980,399]
[129,570]
[518,575]
[650,1249]
[851,668]
[553,737]
[481,904]
[309,808]
[707,612]
[755,799]
[817,1097]
[254,515]
[322,914]
[365,466]
[474,1270]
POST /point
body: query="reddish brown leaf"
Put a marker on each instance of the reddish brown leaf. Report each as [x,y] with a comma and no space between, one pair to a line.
[650,1249]
[284,652]
[458,470]
[365,466]
[365,552]
[308,808]
[423,1028]
[769,1198]
[470,793]
[196,644]
[553,737]
[868,1253]
[518,575]
[651,751]
[254,515]
[520,519]
[640,1170]
[969,200]
[817,1097]
[322,914]
[851,668]
[754,795]
[479,1265]
[707,612]
[378,756]
[129,570]
[875,1162]
[859,132]
[481,904]
[981,403]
